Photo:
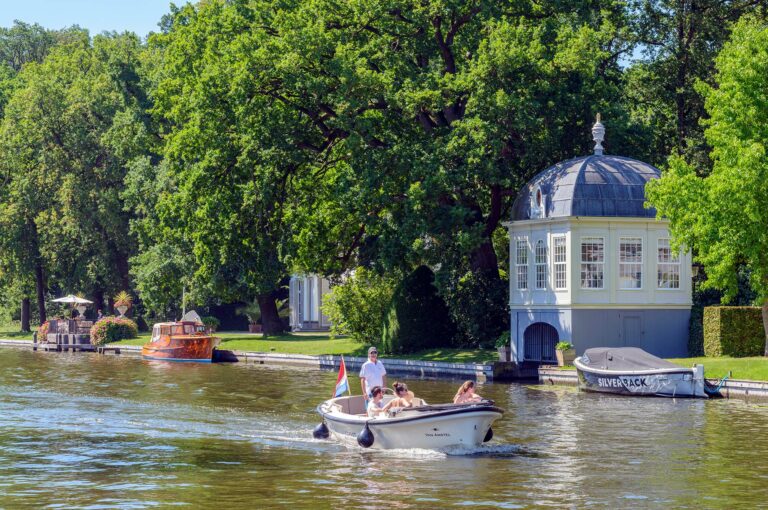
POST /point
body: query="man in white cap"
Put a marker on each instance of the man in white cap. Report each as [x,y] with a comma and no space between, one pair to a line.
[372,373]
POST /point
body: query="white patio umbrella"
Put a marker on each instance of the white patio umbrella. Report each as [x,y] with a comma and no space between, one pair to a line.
[75,301]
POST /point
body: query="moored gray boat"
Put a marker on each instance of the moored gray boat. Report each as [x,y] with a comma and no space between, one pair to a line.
[632,371]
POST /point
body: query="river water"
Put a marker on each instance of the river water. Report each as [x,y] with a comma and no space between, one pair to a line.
[90,431]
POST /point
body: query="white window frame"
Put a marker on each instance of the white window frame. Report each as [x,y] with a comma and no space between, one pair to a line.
[672,263]
[560,262]
[599,264]
[630,268]
[521,263]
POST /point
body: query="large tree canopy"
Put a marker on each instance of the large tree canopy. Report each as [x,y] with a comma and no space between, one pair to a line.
[724,216]
[70,126]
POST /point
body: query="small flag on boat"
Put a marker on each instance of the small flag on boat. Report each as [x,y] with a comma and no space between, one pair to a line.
[342,384]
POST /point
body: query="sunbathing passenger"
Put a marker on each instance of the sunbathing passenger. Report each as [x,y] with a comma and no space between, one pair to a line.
[403,397]
[375,405]
[466,394]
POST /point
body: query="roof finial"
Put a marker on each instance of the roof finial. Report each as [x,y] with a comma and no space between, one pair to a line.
[598,135]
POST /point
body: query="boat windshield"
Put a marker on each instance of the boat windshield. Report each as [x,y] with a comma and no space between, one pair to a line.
[156,333]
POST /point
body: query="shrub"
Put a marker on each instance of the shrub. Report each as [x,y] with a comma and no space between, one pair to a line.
[479,307]
[112,329]
[357,306]
[42,331]
[212,323]
[733,331]
[417,318]
[563,346]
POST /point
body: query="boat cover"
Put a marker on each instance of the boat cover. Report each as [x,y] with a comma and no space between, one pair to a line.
[622,359]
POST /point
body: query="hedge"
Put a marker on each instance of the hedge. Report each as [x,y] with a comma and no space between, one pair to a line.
[112,329]
[733,331]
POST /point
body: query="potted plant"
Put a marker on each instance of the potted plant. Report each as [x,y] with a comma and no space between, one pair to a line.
[565,353]
[253,313]
[504,347]
[211,323]
[123,302]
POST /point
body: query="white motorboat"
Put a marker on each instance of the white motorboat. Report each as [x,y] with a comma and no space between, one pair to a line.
[632,371]
[421,426]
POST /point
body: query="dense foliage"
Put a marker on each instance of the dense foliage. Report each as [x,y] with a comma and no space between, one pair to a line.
[254,138]
[357,305]
[112,329]
[417,317]
[724,215]
[733,331]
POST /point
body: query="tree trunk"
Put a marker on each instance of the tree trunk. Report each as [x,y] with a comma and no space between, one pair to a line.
[25,315]
[270,320]
[40,287]
[765,324]
[484,259]
[98,300]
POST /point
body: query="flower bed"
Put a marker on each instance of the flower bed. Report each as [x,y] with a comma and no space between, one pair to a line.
[42,332]
[112,329]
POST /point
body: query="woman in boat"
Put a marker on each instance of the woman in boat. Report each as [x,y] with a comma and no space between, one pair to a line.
[403,397]
[375,406]
[466,394]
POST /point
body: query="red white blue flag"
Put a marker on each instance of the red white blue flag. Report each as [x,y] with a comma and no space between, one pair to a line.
[342,384]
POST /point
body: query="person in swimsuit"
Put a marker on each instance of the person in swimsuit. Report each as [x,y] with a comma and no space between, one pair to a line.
[466,394]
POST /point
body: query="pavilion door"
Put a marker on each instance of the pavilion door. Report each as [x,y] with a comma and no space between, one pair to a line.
[540,340]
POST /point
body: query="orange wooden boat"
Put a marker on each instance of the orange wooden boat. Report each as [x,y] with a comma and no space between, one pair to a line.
[185,340]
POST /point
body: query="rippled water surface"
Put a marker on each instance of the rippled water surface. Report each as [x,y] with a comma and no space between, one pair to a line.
[89,431]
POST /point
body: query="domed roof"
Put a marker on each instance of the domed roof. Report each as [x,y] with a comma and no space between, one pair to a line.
[587,186]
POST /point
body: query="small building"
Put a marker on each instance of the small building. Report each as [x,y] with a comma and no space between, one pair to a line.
[591,265]
[305,298]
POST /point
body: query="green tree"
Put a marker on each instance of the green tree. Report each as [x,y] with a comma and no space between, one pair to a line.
[677,43]
[70,127]
[724,216]
[358,305]
[228,157]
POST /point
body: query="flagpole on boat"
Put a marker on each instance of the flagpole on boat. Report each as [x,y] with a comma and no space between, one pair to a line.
[349,386]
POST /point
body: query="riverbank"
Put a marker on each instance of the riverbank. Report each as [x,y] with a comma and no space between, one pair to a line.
[321,344]
[395,366]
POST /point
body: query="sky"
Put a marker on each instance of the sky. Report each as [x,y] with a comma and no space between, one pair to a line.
[139,16]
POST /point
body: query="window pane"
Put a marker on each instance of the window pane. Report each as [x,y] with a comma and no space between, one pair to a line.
[541,265]
[560,262]
[521,262]
[630,263]
[592,258]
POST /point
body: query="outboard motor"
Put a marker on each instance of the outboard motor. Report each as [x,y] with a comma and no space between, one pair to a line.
[365,437]
[321,431]
[488,435]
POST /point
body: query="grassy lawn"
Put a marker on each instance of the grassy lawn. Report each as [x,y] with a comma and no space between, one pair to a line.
[315,344]
[754,369]
[12,331]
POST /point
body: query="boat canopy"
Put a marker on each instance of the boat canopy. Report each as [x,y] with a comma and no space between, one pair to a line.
[623,359]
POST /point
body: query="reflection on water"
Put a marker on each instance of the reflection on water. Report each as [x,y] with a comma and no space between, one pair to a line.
[89,431]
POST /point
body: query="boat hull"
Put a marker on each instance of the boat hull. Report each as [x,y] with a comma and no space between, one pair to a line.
[457,426]
[662,383]
[198,349]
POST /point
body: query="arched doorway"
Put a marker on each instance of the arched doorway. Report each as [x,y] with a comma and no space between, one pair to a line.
[540,340]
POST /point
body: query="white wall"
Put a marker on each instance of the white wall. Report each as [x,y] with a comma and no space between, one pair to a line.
[611,295]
